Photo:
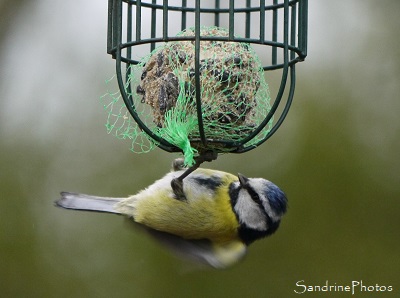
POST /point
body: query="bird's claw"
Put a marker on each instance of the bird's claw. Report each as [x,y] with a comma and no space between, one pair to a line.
[177,187]
[178,164]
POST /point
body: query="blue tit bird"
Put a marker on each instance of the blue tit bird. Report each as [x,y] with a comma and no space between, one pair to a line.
[219,217]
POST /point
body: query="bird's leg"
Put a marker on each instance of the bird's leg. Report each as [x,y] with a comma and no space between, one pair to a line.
[177,183]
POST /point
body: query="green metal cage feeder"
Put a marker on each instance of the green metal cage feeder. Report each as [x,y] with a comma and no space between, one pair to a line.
[275,29]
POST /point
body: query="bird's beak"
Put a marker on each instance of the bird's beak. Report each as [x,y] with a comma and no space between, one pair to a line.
[243,179]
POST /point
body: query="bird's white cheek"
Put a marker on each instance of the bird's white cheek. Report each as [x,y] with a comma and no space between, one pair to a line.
[249,212]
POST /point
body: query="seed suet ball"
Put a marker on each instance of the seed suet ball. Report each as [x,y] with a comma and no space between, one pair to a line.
[230,75]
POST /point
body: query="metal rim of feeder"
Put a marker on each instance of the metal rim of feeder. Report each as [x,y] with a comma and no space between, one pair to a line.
[294,49]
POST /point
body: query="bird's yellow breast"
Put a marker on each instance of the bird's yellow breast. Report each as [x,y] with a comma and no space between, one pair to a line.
[206,214]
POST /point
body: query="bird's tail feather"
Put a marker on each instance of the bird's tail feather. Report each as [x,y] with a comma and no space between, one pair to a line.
[77,201]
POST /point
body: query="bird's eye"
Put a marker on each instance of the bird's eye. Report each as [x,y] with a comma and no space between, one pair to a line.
[255,197]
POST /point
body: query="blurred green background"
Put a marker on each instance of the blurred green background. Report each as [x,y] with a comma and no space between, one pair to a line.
[337,156]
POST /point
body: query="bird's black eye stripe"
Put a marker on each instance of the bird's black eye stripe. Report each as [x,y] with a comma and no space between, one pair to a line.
[256,198]
[234,194]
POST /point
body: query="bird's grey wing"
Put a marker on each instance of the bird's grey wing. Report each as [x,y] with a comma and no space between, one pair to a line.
[201,251]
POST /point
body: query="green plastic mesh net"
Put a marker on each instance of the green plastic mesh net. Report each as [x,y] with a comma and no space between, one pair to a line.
[235,97]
